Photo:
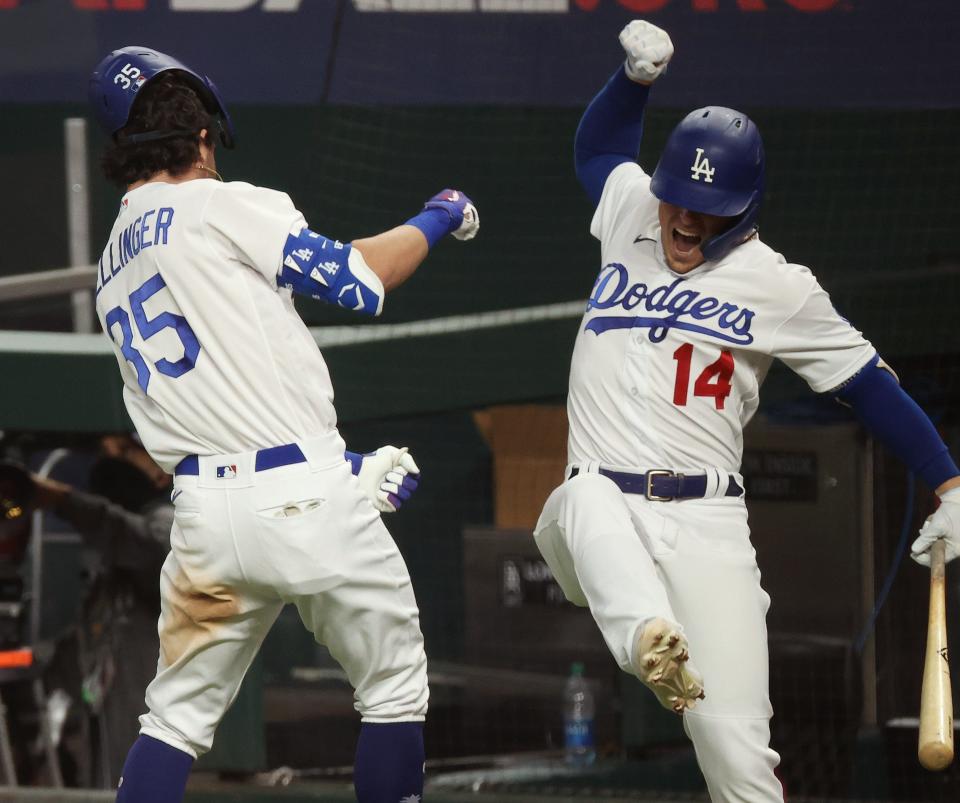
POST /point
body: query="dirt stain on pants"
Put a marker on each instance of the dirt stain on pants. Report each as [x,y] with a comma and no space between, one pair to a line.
[192,615]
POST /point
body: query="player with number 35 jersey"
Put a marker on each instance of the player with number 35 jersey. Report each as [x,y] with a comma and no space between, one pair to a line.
[685,317]
[197,302]
[230,394]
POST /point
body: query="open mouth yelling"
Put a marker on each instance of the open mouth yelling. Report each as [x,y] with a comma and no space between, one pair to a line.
[684,233]
[686,241]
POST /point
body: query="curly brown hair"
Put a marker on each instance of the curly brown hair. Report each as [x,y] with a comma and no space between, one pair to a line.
[167,103]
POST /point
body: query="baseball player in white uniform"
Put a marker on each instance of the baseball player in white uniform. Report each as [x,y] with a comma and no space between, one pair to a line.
[686,315]
[230,394]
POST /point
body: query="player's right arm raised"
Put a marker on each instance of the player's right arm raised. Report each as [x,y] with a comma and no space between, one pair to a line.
[395,254]
[356,275]
[611,128]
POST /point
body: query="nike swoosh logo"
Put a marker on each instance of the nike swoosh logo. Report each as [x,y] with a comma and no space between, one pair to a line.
[455,196]
[641,239]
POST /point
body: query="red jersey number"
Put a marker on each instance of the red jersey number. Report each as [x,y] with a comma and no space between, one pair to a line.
[713,382]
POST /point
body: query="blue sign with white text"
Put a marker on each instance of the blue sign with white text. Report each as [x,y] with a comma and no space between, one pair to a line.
[742,53]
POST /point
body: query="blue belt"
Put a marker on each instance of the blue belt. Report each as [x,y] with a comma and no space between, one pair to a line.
[661,485]
[274,457]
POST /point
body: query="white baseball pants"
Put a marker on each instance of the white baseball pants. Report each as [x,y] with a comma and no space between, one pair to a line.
[691,562]
[246,542]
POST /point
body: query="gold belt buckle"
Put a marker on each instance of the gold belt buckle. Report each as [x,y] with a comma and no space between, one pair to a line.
[657,472]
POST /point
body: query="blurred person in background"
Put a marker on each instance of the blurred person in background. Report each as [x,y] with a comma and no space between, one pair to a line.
[125,519]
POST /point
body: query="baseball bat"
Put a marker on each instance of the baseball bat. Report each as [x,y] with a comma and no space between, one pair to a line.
[935,748]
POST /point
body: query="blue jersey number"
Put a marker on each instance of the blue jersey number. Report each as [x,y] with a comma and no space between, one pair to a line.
[148,327]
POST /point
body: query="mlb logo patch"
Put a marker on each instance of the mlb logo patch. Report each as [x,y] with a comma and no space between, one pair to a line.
[226,472]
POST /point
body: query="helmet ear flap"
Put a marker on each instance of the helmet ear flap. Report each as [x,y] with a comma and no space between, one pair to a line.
[225,129]
[716,248]
[225,136]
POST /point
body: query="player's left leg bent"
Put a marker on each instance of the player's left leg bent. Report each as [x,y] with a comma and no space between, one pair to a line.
[371,624]
[710,573]
[598,552]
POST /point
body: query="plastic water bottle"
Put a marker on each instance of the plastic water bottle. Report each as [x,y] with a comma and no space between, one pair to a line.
[578,712]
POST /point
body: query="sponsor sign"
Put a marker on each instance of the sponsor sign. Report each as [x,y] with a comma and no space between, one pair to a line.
[741,53]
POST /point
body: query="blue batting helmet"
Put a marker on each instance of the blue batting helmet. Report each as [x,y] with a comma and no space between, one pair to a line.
[118,78]
[713,163]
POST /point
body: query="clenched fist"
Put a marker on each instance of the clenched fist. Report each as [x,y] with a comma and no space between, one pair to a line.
[648,50]
[464,217]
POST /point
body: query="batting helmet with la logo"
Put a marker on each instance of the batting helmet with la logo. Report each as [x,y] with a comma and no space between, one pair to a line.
[713,163]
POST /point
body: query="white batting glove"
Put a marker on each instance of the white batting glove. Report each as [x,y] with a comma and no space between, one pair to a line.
[471,223]
[943,523]
[388,477]
[648,49]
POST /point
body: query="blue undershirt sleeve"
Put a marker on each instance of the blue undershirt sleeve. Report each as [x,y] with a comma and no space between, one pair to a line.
[610,131]
[897,421]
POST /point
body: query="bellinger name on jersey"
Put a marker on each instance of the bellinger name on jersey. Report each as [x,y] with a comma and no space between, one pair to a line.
[144,232]
[731,322]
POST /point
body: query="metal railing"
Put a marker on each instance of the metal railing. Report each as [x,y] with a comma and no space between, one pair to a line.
[50,283]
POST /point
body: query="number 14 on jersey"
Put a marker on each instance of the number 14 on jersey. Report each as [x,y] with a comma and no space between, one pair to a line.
[713,382]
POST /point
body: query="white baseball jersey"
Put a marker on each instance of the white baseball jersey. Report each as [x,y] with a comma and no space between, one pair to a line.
[214,357]
[216,362]
[667,368]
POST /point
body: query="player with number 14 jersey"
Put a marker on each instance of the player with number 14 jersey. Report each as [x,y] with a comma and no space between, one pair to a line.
[667,369]
[688,311]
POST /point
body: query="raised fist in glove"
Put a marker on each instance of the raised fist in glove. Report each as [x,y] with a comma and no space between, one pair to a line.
[388,476]
[648,49]
[464,218]
[943,523]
